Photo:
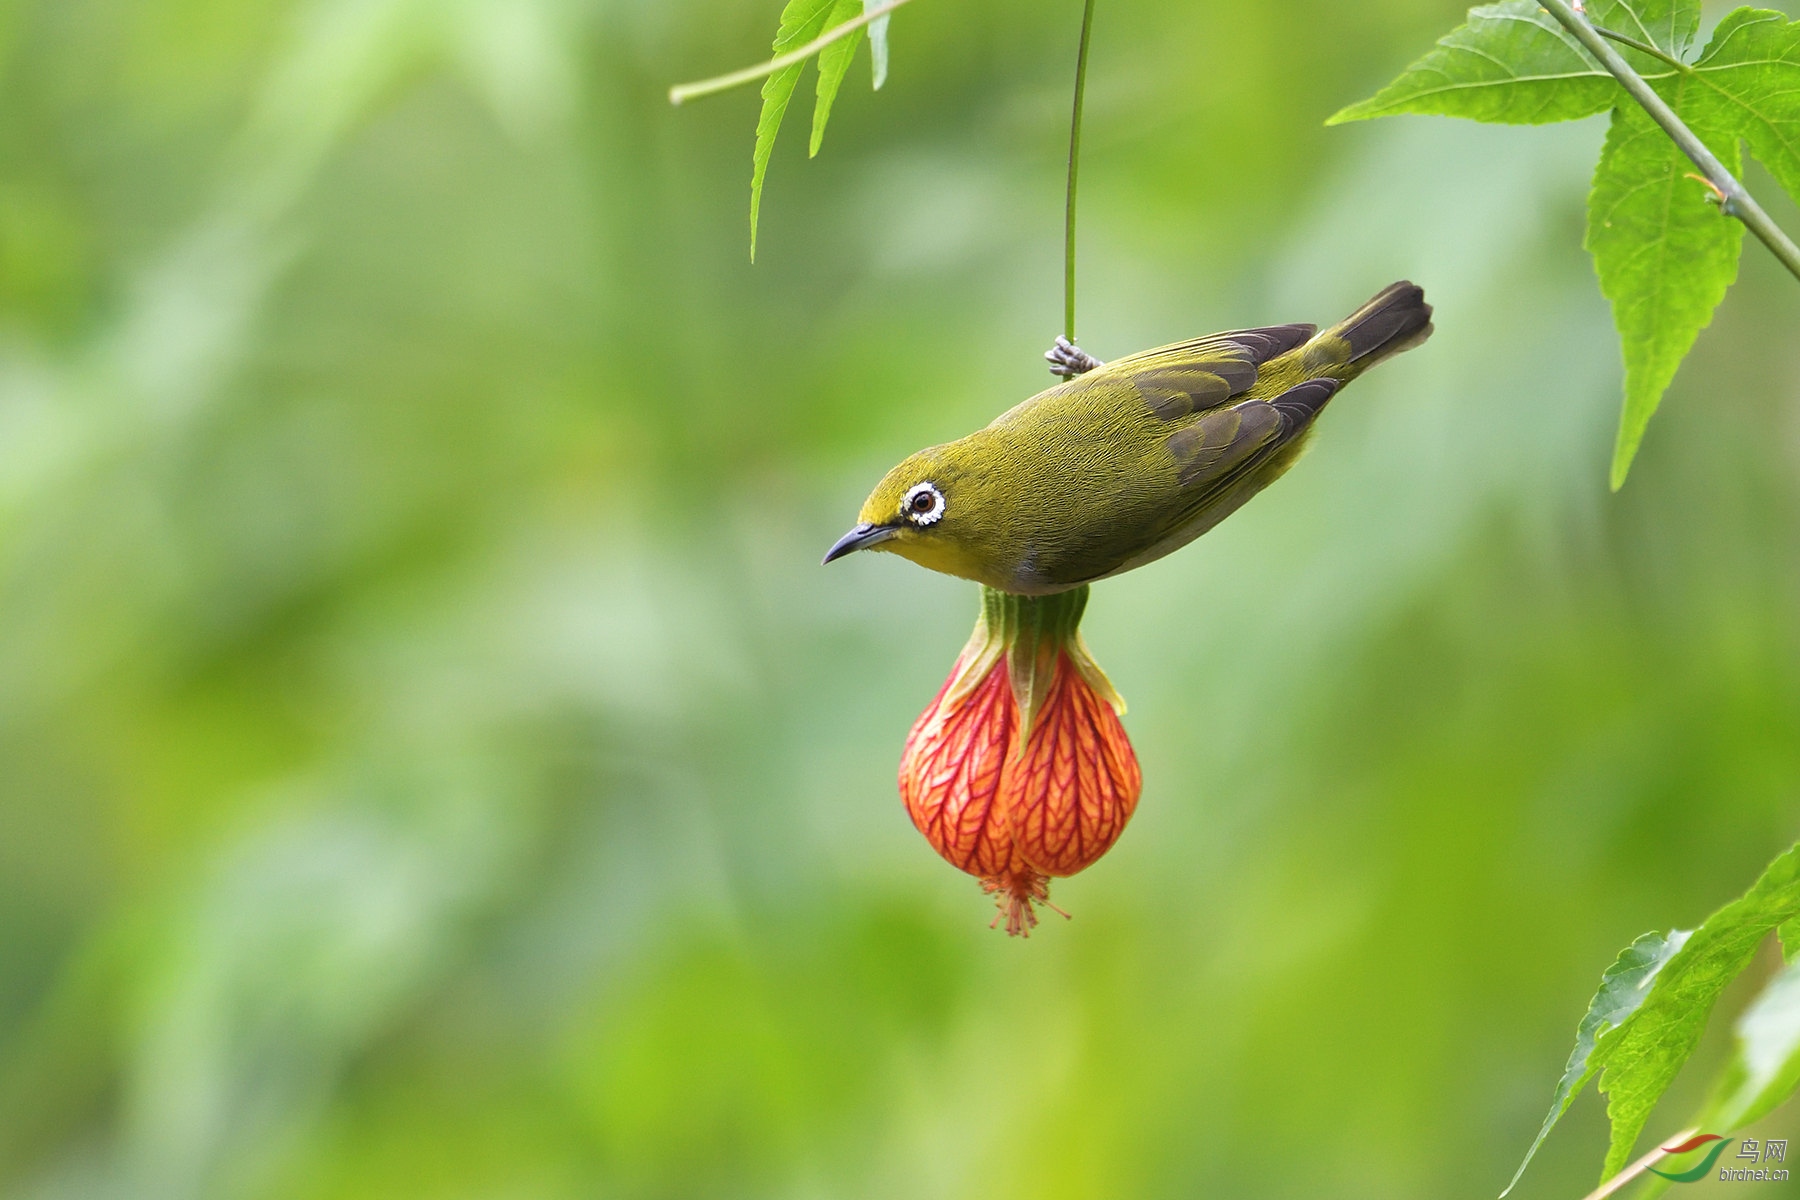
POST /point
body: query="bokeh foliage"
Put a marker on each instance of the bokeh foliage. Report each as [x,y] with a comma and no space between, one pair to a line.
[435,765]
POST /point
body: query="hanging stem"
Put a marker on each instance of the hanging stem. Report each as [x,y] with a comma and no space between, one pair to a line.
[1734,199]
[1087,26]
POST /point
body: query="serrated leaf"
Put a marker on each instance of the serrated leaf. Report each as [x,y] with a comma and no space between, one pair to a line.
[1669,25]
[1653,1003]
[1751,76]
[1622,990]
[801,22]
[1514,64]
[1765,1071]
[1642,1054]
[1766,1068]
[1511,64]
[1665,256]
[1746,85]
[834,64]
[878,46]
[1761,1076]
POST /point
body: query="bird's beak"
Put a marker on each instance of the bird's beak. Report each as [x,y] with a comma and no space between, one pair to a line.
[860,538]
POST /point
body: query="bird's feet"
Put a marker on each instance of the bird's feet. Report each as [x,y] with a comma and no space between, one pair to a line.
[1069,360]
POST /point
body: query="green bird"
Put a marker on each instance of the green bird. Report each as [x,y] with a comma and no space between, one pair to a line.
[1132,459]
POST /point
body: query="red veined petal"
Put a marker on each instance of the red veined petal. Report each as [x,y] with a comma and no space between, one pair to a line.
[951,769]
[1070,793]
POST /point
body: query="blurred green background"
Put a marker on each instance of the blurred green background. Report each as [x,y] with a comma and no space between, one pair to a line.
[434,764]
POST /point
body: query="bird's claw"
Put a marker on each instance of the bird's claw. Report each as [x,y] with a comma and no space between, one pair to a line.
[1069,360]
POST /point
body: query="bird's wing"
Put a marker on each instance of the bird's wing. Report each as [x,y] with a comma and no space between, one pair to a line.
[1226,448]
[1195,376]
[1213,450]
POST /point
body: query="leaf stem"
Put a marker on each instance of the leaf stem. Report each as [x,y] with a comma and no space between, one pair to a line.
[1637,1168]
[1645,48]
[682,92]
[1737,200]
[1081,61]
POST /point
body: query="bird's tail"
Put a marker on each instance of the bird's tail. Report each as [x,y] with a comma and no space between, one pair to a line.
[1396,319]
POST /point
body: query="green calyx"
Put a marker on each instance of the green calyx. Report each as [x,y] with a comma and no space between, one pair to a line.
[1031,632]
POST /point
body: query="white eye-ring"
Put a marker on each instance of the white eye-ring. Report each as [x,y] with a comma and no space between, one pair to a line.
[923,504]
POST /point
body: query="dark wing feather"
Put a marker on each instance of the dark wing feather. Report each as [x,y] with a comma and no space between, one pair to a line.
[1220,443]
[1199,375]
[1302,402]
[1221,447]
[1177,389]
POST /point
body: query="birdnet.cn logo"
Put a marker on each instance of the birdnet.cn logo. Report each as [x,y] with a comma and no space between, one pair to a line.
[1751,1153]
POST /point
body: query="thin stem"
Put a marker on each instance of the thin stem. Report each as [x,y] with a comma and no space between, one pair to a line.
[1637,1168]
[1645,48]
[1737,201]
[719,83]
[1081,59]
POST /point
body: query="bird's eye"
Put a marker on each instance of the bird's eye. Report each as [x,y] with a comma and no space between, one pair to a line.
[923,504]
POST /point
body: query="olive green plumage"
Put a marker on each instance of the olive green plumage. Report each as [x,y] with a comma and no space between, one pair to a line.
[1130,461]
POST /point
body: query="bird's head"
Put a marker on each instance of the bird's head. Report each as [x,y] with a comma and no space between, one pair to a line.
[929,509]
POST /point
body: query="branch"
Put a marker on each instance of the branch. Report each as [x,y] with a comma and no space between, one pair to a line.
[719,83]
[1639,1167]
[1735,200]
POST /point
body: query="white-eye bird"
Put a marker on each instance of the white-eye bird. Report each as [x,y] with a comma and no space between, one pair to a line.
[1132,459]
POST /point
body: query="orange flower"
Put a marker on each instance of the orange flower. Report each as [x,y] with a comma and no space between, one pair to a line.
[1020,770]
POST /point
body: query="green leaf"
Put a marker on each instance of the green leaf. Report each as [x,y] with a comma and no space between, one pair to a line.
[834,64]
[1664,254]
[1653,1003]
[1642,1054]
[1751,76]
[1766,1070]
[1760,1077]
[878,46]
[1510,64]
[1746,85]
[1514,64]
[1669,25]
[801,22]
[1622,990]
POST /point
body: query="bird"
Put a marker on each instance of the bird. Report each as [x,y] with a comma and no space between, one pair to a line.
[1129,460]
